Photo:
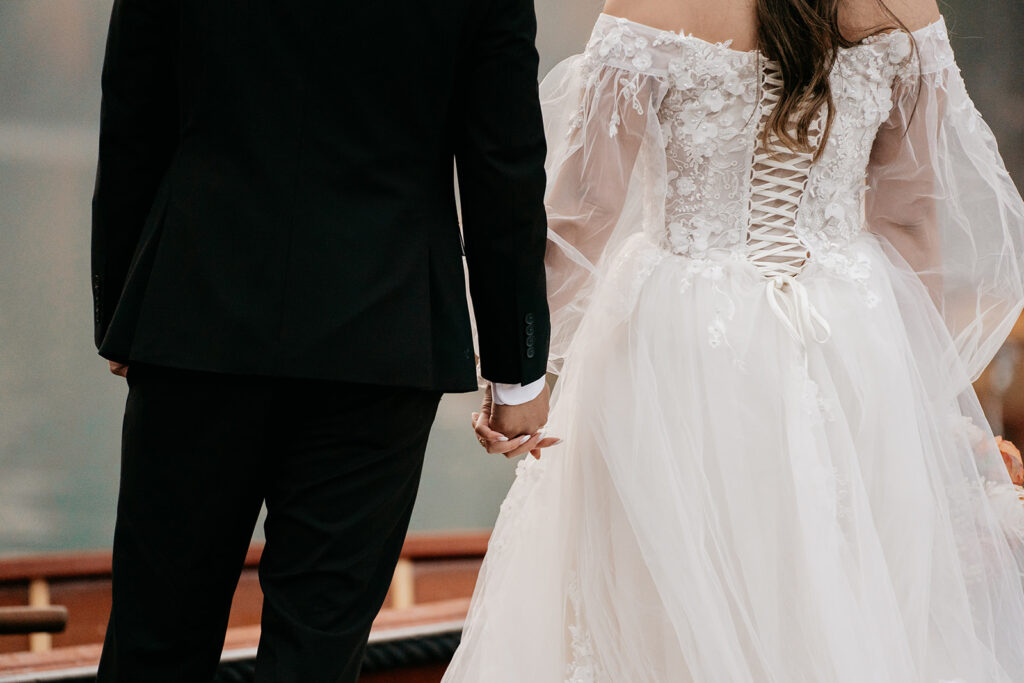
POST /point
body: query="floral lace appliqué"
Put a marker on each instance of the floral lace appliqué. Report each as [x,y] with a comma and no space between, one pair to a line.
[855,268]
[583,667]
[706,119]
[529,471]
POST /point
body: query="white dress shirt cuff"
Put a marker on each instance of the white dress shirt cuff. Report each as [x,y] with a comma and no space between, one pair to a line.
[516,394]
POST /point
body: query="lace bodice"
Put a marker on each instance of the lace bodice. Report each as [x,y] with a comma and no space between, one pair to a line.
[721,182]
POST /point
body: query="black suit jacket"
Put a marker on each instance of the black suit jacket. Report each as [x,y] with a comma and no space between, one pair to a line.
[275,193]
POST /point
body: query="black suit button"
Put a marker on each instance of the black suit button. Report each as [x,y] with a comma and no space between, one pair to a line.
[530,352]
[529,318]
[531,341]
[529,330]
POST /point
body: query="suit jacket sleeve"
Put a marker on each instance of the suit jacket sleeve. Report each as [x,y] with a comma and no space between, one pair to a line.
[500,158]
[138,136]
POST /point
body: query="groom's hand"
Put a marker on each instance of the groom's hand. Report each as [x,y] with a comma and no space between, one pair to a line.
[119,369]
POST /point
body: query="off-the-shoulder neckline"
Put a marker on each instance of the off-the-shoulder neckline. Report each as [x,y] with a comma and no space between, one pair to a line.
[726,46]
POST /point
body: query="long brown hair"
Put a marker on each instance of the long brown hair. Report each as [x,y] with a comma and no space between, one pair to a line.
[804,38]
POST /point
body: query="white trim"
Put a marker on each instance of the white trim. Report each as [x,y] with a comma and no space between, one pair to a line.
[386,636]
[56,675]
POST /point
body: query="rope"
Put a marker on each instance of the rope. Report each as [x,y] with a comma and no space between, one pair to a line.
[397,654]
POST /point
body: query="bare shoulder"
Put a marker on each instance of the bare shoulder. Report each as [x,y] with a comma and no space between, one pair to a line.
[863,17]
[658,13]
[714,20]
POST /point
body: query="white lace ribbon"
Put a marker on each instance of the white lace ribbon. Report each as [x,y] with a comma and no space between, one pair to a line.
[789,300]
[778,182]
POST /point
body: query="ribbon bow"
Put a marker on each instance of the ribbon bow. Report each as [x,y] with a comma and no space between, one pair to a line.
[788,297]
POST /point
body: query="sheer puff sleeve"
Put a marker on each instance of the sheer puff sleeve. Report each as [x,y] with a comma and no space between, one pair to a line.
[939,194]
[604,146]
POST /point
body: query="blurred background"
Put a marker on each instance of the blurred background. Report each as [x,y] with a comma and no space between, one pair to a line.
[60,410]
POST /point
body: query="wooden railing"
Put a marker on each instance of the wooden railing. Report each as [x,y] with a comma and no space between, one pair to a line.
[63,599]
[27,620]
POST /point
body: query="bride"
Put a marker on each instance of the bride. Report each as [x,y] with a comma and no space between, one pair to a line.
[782,245]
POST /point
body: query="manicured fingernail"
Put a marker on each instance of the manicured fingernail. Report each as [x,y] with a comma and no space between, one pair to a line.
[558,441]
[502,438]
[525,439]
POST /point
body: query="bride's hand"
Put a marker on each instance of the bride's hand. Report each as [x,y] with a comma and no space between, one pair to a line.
[496,442]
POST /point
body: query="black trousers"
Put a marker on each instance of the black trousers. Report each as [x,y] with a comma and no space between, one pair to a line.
[338,466]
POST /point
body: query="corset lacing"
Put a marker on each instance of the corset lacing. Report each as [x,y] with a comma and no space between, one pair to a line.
[777,183]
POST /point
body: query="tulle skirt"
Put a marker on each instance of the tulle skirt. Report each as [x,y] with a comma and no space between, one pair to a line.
[733,503]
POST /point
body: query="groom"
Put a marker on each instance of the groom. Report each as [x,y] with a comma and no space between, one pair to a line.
[278,271]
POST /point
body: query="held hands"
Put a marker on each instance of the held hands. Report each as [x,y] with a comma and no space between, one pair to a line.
[514,430]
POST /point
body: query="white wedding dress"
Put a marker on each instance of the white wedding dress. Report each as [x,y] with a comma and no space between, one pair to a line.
[774,468]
